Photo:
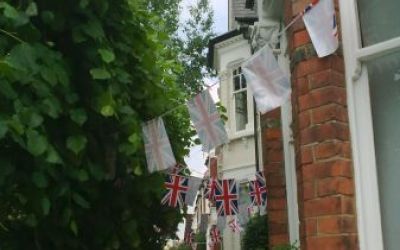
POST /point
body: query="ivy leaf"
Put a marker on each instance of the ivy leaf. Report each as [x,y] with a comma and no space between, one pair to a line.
[46,204]
[107,111]
[49,75]
[94,29]
[53,156]
[78,199]
[3,129]
[76,143]
[39,179]
[74,227]
[52,107]
[106,55]
[138,171]
[7,90]
[100,74]
[83,175]
[32,9]
[78,115]
[37,143]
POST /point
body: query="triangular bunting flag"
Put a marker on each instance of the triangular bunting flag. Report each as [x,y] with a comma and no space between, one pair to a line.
[194,184]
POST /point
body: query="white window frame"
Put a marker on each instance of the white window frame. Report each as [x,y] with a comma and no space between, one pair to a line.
[361,126]
[249,129]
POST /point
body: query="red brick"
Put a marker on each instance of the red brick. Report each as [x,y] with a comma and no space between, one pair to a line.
[273,133]
[337,63]
[326,169]
[298,6]
[327,131]
[323,206]
[278,216]
[308,191]
[275,180]
[337,224]
[326,78]
[301,85]
[273,168]
[311,66]
[304,120]
[310,226]
[274,156]
[337,242]
[335,185]
[276,192]
[277,204]
[332,149]
[306,155]
[278,239]
[301,38]
[331,112]
[322,96]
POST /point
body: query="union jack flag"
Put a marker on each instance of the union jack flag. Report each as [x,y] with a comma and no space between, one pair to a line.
[208,124]
[158,149]
[226,197]
[234,225]
[176,186]
[215,235]
[258,190]
[210,189]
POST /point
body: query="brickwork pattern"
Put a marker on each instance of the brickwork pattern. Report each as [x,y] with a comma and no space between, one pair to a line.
[275,178]
[323,152]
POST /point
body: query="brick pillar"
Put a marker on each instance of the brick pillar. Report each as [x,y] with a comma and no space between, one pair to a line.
[275,178]
[321,130]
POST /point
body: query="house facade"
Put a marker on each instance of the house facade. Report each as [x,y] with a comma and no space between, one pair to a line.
[331,153]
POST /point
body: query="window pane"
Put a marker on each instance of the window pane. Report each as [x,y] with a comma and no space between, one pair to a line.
[244,83]
[236,82]
[380,20]
[384,77]
[241,110]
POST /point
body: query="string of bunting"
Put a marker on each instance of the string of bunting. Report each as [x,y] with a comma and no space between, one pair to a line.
[271,88]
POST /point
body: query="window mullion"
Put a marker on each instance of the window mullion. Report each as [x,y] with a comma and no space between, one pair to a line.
[378,50]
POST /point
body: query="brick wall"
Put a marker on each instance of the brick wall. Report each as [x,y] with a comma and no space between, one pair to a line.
[323,152]
[275,177]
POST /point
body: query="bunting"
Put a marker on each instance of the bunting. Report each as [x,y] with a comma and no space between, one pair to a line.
[320,20]
[226,197]
[176,187]
[270,86]
[208,124]
[234,225]
[159,154]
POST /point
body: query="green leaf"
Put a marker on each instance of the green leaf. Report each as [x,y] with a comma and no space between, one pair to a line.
[78,199]
[94,29]
[32,9]
[78,115]
[107,111]
[10,11]
[3,129]
[7,90]
[49,75]
[39,179]
[36,143]
[52,107]
[67,214]
[138,171]
[46,204]
[74,227]
[106,55]
[76,143]
[100,74]
[35,120]
[53,156]
[83,175]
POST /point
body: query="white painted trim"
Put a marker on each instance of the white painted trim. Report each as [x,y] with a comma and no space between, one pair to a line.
[361,127]
[290,173]
[289,155]
[378,50]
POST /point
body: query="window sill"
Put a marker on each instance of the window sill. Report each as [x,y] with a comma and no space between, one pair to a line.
[241,134]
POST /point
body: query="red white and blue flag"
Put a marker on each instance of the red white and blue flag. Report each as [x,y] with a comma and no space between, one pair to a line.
[176,187]
[258,190]
[210,189]
[208,124]
[234,225]
[215,235]
[226,197]
[159,154]
[320,20]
